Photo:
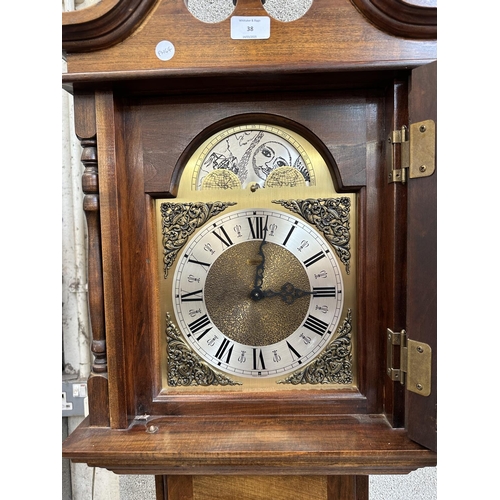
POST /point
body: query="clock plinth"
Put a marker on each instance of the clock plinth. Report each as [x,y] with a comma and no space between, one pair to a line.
[245,258]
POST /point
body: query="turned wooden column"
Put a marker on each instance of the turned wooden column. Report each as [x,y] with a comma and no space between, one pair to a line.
[98,379]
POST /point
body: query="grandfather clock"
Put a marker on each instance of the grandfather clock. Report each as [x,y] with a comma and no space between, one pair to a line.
[261,206]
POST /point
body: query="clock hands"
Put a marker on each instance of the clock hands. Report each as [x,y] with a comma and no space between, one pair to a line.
[288,293]
[256,293]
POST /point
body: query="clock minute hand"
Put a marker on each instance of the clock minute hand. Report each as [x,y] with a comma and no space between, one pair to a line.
[256,293]
[288,293]
[259,272]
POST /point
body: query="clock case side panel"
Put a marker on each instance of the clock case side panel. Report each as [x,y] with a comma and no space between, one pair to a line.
[111,148]
[421,325]
[97,125]
[132,265]
[393,234]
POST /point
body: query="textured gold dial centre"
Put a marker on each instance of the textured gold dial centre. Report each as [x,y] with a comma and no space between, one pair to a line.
[230,282]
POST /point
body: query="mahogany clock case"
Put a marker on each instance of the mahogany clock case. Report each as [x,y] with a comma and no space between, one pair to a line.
[154,136]
[138,128]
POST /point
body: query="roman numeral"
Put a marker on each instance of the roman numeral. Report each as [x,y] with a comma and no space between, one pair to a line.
[312,260]
[203,334]
[226,240]
[324,291]
[285,241]
[192,296]
[199,323]
[196,261]
[315,325]
[258,360]
[293,352]
[222,349]
[257,227]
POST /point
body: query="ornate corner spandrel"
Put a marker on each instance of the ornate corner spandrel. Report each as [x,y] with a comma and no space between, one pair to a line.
[180,221]
[334,365]
[331,217]
[184,367]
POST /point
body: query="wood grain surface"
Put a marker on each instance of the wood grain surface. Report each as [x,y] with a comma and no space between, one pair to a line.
[332,34]
[349,444]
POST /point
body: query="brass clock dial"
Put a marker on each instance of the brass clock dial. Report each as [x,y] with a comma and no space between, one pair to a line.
[257,283]
[257,293]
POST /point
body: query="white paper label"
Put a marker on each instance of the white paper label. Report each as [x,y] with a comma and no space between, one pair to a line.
[165,50]
[250,28]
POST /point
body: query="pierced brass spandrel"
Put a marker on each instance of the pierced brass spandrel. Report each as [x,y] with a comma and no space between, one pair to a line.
[334,365]
[184,367]
[331,217]
[180,221]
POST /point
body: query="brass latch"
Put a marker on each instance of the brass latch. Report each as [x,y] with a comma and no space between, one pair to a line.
[417,154]
[415,362]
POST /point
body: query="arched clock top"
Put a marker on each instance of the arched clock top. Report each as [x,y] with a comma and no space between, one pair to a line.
[253,151]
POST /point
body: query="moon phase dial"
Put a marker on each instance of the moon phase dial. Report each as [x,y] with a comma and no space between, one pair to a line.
[253,154]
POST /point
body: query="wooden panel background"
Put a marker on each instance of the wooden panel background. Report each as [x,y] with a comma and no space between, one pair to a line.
[259,488]
[262,487]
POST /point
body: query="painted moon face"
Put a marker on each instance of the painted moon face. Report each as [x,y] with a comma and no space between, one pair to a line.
[251,153]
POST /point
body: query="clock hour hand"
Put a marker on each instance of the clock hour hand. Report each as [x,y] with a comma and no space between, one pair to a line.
[256,293]
[288,293]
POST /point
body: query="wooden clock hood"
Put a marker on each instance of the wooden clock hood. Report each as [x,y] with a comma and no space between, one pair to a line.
[115,39]
[353,76]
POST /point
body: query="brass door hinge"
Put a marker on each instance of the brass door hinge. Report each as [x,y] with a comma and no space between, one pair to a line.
[417,151]
[415,362]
